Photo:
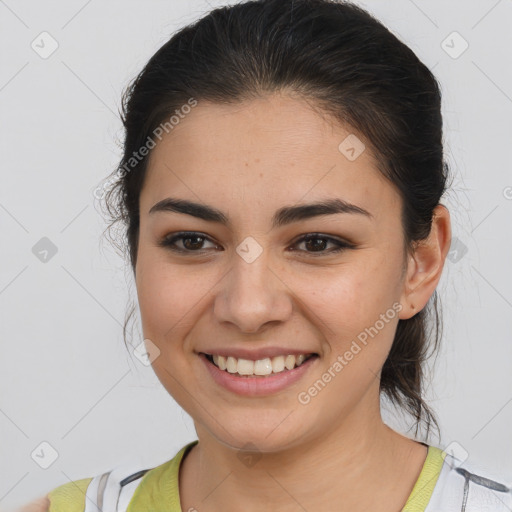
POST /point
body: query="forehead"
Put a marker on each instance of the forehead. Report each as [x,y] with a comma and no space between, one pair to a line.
[290,125]
[267,151]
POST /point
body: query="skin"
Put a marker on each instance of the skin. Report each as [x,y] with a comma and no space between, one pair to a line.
[39,505]
[250,159]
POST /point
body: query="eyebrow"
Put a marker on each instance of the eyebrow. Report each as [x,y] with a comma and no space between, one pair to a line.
[282,217]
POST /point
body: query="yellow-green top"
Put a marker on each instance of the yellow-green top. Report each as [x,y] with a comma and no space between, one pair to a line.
[158,490]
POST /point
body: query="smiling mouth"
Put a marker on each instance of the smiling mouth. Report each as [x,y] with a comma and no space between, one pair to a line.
[260,368]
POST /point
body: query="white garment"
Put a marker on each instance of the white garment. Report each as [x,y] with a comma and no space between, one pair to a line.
[113,491]
[461,489]
[457,490]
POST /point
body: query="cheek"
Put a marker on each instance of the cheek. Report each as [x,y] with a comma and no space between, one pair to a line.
[163,295]
[349,297]
[166,302]
[171,297]
[358,305]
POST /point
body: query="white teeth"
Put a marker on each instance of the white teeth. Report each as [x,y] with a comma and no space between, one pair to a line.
[289,362]
[232,365]
[245,367]
[278,364]
[261,366]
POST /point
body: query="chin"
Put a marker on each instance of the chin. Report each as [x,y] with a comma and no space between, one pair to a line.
[259,437]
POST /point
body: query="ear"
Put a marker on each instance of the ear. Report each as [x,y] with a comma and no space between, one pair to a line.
[425,265]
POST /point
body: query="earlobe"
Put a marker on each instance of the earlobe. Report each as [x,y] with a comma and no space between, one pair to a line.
[425,265]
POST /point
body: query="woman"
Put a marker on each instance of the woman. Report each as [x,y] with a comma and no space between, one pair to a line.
[280,187]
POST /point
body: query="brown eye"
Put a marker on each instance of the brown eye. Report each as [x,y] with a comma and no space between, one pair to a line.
[191,242]
[316,243]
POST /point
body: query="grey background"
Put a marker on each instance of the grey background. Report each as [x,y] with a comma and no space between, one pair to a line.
[66,377]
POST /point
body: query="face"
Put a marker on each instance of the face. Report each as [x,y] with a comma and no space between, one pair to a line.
[250,283]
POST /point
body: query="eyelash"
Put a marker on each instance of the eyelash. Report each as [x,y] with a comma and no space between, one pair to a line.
[169,241]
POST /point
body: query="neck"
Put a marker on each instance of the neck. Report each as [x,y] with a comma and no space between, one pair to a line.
[360,464]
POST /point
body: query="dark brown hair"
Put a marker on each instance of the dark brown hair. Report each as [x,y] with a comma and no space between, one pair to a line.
[339,57]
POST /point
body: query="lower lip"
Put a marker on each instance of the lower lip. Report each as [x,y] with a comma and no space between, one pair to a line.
[257,385]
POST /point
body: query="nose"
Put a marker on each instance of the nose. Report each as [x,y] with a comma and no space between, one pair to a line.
[252,295]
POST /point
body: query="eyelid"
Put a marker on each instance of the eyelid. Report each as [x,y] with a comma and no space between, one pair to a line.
[341,244]
[168,240]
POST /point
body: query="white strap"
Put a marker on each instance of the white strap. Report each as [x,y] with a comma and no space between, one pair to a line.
[466,491]
[105,493]
[93,500]
[127,492]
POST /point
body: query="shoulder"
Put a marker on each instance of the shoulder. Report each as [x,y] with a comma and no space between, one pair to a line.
[69,497]
[40,505]
[469,488]
[126,486]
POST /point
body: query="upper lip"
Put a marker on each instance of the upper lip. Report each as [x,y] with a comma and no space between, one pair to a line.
[256,354]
